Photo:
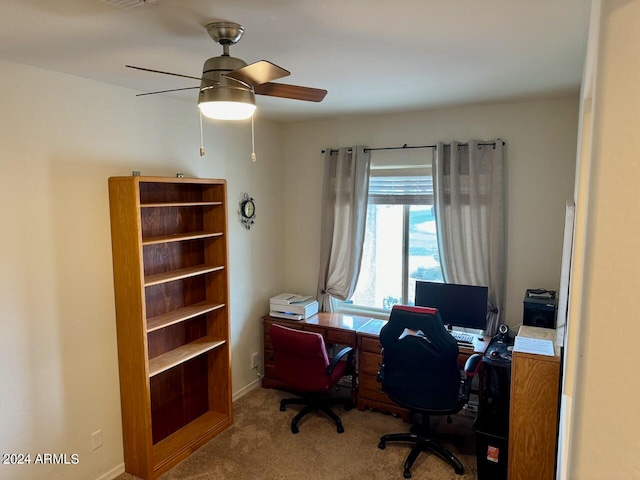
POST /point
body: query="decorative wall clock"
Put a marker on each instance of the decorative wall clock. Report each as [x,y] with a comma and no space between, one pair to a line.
[247,211]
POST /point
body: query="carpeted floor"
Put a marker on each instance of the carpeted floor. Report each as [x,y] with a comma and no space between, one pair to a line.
[260,446]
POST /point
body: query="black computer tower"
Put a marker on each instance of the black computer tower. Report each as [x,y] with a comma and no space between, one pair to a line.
[492,445]
[492,423]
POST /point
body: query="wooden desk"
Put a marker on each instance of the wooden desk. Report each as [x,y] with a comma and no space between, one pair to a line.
[370,392]
[533,417]
[361,334]
[335,328]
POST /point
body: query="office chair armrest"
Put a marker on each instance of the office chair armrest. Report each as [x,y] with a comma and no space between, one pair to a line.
[471,368]
[338,357]
[473,365]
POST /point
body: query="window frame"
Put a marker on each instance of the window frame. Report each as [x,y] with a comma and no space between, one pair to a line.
[409,200]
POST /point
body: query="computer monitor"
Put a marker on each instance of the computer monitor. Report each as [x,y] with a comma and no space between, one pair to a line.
[462,306]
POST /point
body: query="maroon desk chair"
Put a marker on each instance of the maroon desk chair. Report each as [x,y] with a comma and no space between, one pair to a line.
[301,361]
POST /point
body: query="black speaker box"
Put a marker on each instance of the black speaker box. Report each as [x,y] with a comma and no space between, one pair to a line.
[540,312]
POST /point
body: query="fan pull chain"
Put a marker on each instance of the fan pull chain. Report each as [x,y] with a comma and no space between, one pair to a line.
[201,137]
[253,142]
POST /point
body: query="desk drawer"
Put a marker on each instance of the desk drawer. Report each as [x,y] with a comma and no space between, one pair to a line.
[369,344]
[314,329]
[371,389]
[268,352]
[463,356]
[270,371]
[284,323]
[370,363]
[267,325]
[343,338]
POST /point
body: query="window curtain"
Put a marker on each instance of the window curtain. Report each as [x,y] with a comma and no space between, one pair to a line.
[344,210]
[469,211]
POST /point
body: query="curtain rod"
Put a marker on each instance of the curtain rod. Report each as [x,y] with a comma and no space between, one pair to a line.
[407,147]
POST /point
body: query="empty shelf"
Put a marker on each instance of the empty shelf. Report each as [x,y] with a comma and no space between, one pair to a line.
[179,237]
[179,204]
[181,354]
[179,274]
[181,314]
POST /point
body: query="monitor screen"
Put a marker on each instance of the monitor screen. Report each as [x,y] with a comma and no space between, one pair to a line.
[459,305]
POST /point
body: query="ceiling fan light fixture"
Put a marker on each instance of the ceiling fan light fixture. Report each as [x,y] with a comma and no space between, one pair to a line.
[227,110]
[227,103]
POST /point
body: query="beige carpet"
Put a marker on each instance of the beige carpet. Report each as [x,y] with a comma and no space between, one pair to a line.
[260,446]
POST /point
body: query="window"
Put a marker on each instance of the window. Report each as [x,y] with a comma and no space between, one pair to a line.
[400,243]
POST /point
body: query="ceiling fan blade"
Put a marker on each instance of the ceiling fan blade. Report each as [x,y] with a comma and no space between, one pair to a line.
[291,91]
[258,73]
[166,91]
[164,73]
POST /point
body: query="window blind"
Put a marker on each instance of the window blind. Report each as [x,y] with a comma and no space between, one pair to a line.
[401,190]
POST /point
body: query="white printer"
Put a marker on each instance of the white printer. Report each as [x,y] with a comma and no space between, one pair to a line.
[292,306]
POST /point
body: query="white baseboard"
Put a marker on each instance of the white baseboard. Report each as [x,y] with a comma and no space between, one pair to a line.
[243,391]
[113,473]
[119,470]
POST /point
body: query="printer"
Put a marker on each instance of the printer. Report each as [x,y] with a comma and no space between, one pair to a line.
[292,306]
[540,308]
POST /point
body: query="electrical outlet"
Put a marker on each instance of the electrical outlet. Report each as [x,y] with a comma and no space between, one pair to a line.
[96,439]
[255,361]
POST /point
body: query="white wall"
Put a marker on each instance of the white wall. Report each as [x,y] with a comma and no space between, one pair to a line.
[61,137]
[605,303]
[540,162]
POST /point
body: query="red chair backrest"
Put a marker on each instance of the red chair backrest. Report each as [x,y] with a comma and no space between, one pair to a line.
[300,358]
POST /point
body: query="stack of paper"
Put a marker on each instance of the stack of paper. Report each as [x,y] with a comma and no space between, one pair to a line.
[533,345]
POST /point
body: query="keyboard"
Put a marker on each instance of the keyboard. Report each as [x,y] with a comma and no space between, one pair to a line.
[462,338]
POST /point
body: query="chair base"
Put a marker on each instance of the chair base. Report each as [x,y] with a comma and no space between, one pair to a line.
[421,444]
[316,403]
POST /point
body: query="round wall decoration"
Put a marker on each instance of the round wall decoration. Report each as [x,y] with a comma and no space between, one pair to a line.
[247,211]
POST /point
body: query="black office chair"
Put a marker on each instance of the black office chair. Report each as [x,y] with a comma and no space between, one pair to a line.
[420,373]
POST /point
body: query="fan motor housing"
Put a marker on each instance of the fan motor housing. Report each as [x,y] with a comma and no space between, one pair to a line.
[215,69]
[215,84]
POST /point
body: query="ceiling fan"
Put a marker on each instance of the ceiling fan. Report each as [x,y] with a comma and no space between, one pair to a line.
[228,85]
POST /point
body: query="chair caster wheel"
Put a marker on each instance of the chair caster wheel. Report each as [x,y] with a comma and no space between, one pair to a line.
[382,445]
[294,429]
[348,407]
[407,473]
[282,408]
[340,429]
[459,471]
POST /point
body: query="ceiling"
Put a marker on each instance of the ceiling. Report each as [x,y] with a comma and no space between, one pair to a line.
[372,56]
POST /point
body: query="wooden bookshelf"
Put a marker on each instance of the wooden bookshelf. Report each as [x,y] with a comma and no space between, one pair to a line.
[170,263]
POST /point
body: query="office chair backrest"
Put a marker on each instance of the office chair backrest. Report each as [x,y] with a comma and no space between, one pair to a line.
[300,358]
[420,369]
